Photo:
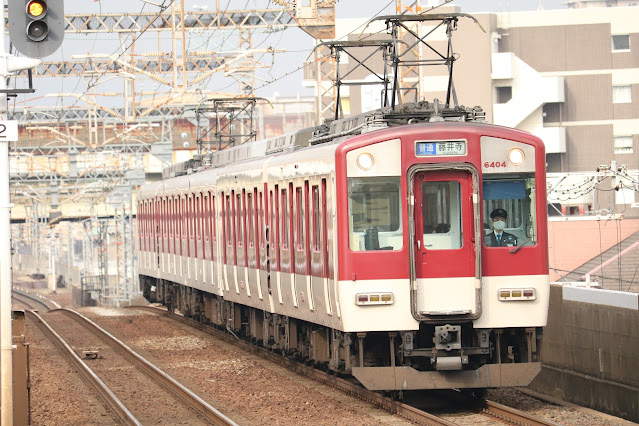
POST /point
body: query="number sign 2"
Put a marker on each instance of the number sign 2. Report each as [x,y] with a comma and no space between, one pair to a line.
[9,131]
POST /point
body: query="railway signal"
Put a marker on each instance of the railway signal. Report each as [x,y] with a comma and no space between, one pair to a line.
[36,27]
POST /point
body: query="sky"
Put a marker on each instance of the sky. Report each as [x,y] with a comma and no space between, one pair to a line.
[273,80]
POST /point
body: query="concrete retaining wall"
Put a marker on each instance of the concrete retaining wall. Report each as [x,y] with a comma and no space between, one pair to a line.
[28,264]
[591,350]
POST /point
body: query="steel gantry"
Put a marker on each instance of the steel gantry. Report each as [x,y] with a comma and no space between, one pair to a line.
[76,159]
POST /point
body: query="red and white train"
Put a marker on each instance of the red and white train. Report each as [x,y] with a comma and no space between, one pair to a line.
[364,246]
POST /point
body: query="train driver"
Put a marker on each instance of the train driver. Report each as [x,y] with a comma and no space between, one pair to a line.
[500,238]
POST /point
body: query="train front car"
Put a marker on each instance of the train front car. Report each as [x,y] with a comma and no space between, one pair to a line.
[432,299]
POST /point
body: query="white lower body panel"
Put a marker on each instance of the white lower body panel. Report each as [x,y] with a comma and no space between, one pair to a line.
[516,313]
[376,317]
[447,296]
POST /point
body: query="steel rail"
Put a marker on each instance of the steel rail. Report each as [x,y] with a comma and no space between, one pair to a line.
[38,299]
[121,412]
[354,389]
[23,300]
[514,416]
[203,408]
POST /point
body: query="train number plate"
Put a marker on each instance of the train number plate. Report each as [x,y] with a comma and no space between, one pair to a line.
[426,149]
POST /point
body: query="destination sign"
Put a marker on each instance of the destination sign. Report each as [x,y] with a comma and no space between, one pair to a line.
[425,149]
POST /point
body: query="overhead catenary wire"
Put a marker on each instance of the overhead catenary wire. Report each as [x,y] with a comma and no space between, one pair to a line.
[124,51]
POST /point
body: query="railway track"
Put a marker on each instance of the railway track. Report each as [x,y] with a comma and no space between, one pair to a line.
[491,409]
[119,370]
[511,415]
[34,301]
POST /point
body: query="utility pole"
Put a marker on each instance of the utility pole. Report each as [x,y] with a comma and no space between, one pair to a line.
[6,355]
[36,30]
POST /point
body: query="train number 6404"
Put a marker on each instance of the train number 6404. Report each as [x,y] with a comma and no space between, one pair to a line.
[494,164]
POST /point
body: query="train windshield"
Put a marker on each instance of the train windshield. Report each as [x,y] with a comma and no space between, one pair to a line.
[375,213]
[511,201]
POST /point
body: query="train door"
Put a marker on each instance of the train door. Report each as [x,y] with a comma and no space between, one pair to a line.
[445,249]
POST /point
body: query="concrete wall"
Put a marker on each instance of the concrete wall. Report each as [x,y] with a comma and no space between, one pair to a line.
[28,264]
[591,350]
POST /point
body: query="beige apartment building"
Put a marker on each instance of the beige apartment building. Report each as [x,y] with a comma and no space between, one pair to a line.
[569,76]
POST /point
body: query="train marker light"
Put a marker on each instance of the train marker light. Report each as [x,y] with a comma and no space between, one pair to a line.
[374,299]
[516,156]
[514,294]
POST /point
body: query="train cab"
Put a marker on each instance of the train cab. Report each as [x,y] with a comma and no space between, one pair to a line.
[418,253]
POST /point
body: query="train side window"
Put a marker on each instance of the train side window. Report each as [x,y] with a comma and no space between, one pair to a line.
[324,226]
[149,224]
[184,226]
[152,225]
[225,225]
[145,211]
[261,220]
[251,220]
[206,230]
[194,224]
[300,218]
[227,218]
[212,225]
[285,220]
[271,222]
[142,221]
[198,217]
[169,224]
[170,217]
[316,218]
[240,220]
[275,223]
[189,215]
[374,213]
[163,224]
[147,228]
[176,224]
[163,218]
[140,218]
[517,196]
[176,220]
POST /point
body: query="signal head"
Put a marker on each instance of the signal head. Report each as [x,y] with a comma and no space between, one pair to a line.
[36,27]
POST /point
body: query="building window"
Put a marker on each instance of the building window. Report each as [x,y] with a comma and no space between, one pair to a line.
[504,94]
[621,94]
[620,42]
[623,144]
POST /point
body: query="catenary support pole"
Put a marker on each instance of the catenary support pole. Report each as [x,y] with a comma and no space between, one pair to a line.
[6,344]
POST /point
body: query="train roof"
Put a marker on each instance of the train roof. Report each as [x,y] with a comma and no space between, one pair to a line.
[331,132]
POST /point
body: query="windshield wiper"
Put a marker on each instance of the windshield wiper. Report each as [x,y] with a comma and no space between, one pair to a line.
[516,249]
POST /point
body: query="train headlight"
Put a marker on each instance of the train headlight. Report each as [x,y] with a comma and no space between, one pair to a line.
[365,161]
[516,156]
[512,294]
